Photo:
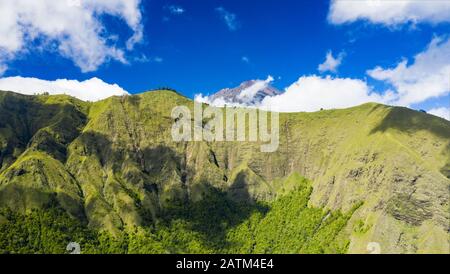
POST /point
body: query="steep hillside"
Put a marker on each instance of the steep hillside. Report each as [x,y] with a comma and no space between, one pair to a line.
[376,174]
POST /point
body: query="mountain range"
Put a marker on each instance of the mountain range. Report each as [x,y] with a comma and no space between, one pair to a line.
[107,175]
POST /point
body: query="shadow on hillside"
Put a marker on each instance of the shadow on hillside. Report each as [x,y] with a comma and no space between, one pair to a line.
[445,170]
[216,214]
[376,107]
[211,217]
[410,121]
[143,168]
[149,160]
[30,123]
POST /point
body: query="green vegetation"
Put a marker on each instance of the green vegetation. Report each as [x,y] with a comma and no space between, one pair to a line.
[290,226]
[214,225]
[45,231]
[112,169]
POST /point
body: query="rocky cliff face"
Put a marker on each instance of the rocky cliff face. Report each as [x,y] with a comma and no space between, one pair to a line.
[114,165]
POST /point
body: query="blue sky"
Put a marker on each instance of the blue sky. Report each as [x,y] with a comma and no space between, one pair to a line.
[204,46]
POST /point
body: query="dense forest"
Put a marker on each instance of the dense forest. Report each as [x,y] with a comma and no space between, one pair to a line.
[215,224]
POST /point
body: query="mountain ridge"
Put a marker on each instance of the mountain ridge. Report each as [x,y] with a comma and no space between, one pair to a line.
[112,164]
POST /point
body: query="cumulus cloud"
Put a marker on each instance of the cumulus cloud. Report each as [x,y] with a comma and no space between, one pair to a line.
[72,28]
[428,76]
[331,63]
[218,102]
[309,93]
[411,82]
[93,89]
[389,12]
[247,95]
[312,93]
[441,112]
[229,18]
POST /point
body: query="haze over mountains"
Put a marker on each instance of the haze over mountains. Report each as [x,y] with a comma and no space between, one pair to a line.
[340,180]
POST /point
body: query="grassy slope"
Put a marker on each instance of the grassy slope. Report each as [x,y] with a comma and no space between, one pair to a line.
[113,164]
[393,159]
[216,224]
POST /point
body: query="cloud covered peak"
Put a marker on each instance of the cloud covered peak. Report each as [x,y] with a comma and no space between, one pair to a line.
[249,93]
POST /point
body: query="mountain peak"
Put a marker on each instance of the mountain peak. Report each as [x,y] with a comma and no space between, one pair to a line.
[248,92]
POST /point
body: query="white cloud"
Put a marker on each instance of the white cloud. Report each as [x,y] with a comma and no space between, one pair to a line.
[311,93]
[441,112]
[145,59]
[70,27]
[331,63]
[93,89]
[176,10]
[245,59]
[218,102]
[247,95]
[308,93]
[389,12]
[427,77]
[229,18]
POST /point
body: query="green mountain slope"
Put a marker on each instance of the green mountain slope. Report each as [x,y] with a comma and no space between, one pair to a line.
[375,174]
